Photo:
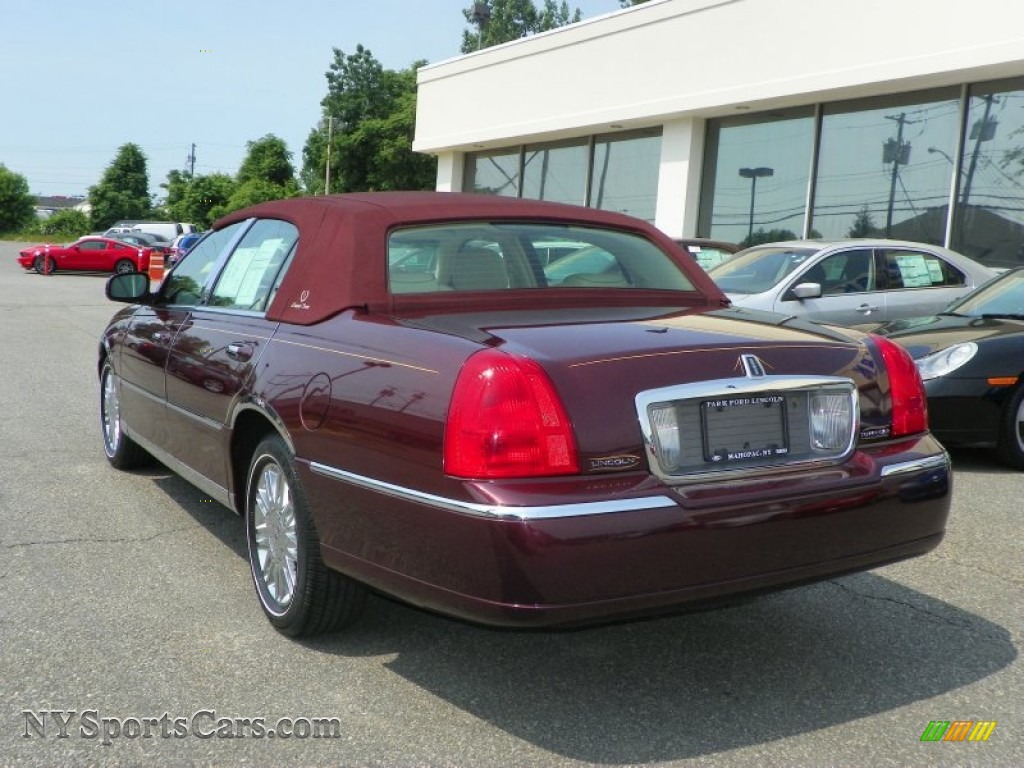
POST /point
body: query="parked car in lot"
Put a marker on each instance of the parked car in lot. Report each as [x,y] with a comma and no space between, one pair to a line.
[92,254]
[971,357]
[181,246]
[156,244]
[393,394]
[708,253]
[848,282]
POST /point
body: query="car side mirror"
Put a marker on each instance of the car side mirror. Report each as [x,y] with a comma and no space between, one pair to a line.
[806,291]
[131,288]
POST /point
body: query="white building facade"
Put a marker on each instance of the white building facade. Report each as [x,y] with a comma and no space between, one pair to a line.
[754,119]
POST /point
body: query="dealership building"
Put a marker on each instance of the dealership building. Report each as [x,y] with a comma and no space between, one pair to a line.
[753,119]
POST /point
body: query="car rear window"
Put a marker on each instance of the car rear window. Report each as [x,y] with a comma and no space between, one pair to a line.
[482,256]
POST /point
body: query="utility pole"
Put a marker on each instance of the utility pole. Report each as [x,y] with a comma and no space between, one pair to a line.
[898,153]
[983,130]
[191,160]
[327,173]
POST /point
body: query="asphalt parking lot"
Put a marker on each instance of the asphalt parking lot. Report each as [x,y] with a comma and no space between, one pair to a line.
[126,605]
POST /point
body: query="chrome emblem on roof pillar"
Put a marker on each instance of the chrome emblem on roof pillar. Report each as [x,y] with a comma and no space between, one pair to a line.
[752,366]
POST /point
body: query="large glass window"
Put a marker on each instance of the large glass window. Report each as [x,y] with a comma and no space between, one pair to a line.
[884,167]
[756,173]
[556,172]
[624,176]
[989,223]
[622,169]
[493,173]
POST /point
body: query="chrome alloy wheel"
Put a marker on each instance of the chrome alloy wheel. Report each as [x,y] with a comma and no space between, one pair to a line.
[275,534]
[111,414]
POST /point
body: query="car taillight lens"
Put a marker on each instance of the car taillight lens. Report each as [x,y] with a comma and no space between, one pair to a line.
[506,420]
[909,402]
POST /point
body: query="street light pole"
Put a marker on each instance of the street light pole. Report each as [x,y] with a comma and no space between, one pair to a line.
[480,16]
[754,174]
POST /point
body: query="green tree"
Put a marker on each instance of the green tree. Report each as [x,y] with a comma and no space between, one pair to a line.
[631,3]
[176,186]
[17,206]
[266,173]
[762,235]
[1013,159]
[863,224]
[358,87]
[123,191]
[68,223]
[370,114]
[205,199]
[268,159]
[513,19]
[257,191]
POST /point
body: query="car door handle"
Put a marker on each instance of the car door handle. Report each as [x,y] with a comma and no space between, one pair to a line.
[239,351]
[867,309]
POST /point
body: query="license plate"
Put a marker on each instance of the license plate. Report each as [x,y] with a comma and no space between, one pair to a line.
[747,428]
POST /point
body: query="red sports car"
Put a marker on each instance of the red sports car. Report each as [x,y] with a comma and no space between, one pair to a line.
[397,392]
[90,254]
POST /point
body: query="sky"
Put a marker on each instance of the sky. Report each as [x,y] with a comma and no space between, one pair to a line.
[79,78]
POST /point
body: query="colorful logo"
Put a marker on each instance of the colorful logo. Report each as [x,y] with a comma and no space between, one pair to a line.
[958,730]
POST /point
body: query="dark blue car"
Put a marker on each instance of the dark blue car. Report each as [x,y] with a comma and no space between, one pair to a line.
[181,246]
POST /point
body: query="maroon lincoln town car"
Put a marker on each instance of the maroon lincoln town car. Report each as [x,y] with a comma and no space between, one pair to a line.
[398,392]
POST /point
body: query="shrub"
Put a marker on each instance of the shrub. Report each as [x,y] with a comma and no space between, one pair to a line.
[67,223]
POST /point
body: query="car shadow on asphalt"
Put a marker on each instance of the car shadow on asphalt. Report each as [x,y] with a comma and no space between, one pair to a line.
[220,521]
[695,684]
[978,460]
[682,686]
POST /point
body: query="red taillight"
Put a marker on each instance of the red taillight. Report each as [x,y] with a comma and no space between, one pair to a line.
[909,402]
[506,420]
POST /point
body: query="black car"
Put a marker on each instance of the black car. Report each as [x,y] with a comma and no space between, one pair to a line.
[971,358]
[146,240]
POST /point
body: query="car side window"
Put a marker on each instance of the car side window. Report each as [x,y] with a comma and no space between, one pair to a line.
[184,284]
[92,245]
[851,271]
[252,270]
[918,269]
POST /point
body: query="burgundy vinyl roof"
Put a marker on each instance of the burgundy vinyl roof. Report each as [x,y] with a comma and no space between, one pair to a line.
[341,259]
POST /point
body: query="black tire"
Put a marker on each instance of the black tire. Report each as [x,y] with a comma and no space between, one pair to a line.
[122,452]
[39,265]
[299,594]
[1010,446]
[124,267]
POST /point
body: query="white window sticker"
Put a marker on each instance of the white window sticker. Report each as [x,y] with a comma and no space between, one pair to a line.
[914,270]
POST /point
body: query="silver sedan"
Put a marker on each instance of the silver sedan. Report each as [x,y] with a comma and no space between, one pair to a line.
[848,282]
